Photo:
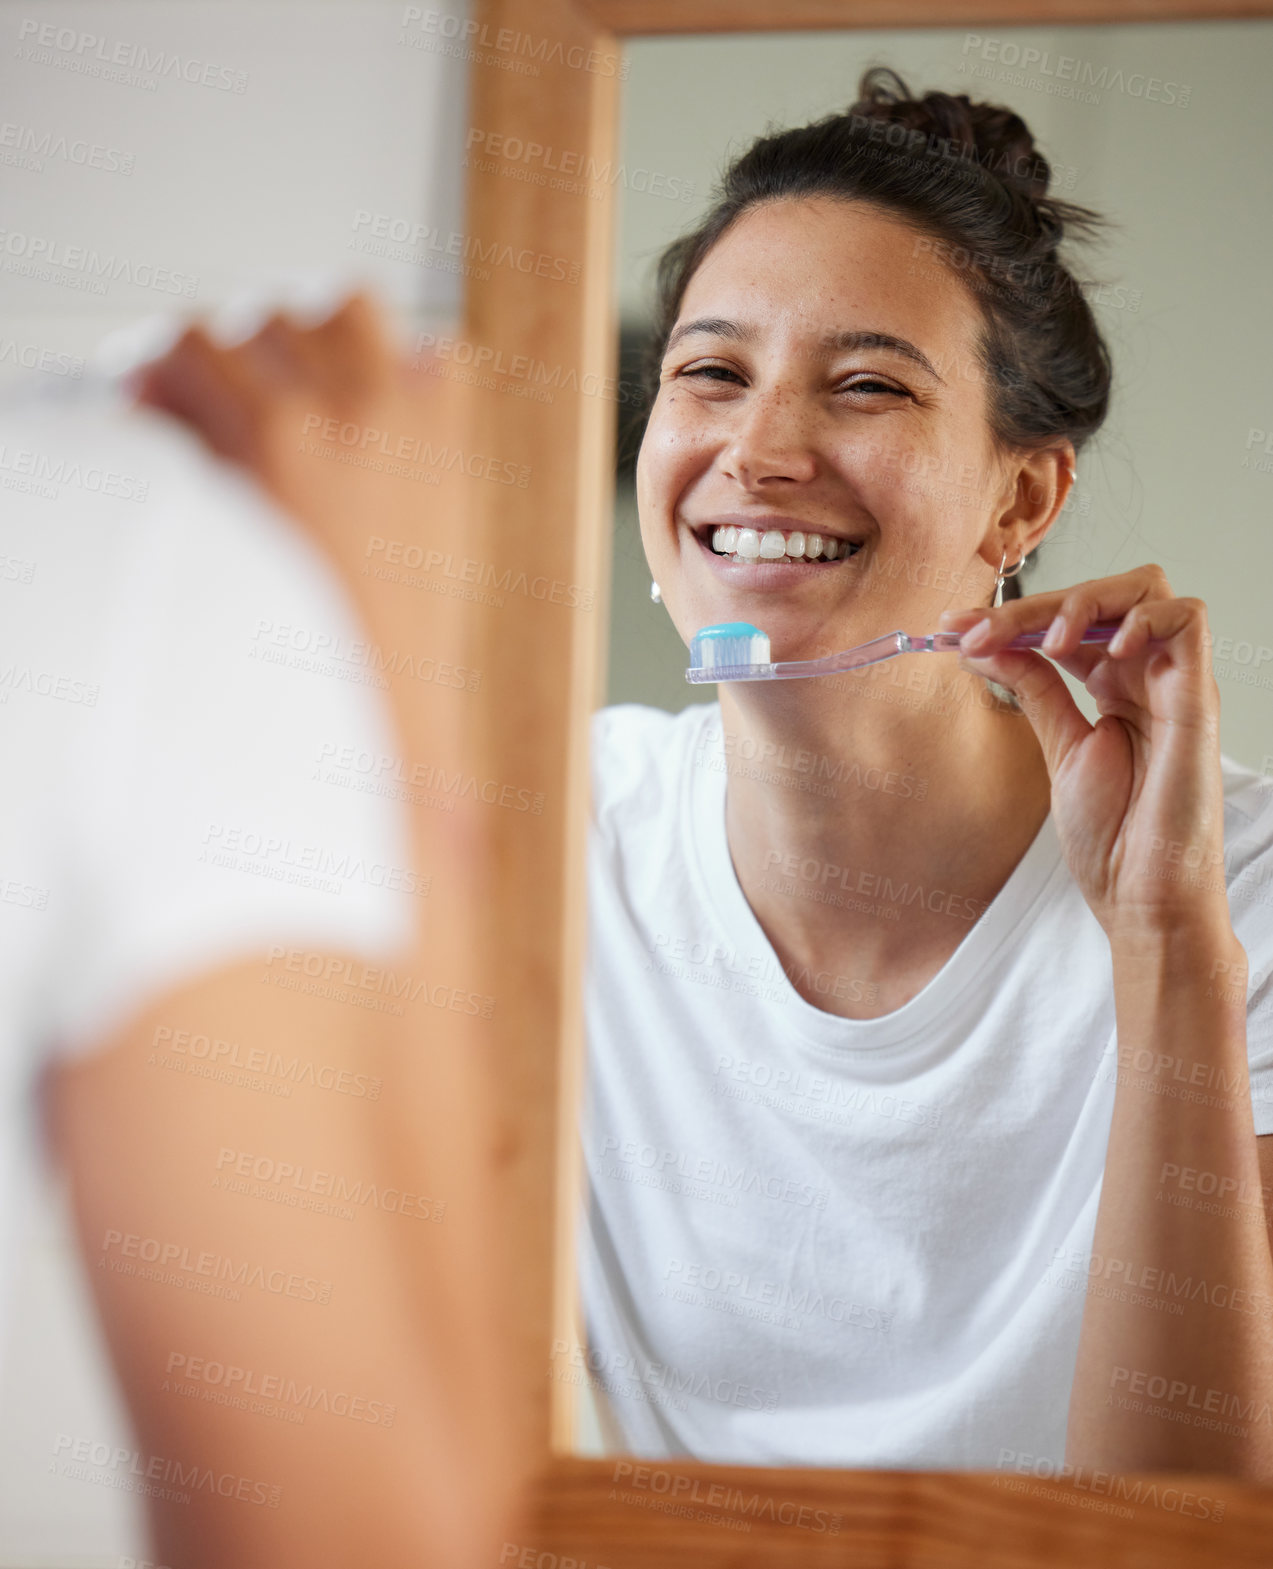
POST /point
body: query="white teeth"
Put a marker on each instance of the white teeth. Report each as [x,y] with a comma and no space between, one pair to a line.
[751,545]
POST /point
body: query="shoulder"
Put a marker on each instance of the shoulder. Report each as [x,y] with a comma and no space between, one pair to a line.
[639,755]
[171,573]
[222,638]
[119,502]
[204,787]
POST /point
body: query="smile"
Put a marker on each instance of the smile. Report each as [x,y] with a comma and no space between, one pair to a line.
[783,548]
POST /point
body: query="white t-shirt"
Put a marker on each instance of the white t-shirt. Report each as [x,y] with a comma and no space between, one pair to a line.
[813,1240]
[180,678]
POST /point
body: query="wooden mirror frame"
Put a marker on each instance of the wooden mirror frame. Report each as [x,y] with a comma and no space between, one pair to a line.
[548,294]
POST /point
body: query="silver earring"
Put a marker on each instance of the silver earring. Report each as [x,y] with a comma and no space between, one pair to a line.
[655,593]
[1001,576]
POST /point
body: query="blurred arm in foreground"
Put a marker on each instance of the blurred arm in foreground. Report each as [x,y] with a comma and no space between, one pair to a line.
[310,1385]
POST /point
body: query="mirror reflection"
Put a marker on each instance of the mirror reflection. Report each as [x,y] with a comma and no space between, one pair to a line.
[929,1017]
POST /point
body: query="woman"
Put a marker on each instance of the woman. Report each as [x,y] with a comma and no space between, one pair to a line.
[894,1085]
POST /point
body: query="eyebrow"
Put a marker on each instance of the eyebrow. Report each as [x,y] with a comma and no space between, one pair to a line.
[739,332]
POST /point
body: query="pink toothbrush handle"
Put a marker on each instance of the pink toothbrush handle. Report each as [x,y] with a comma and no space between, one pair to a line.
[1098,632]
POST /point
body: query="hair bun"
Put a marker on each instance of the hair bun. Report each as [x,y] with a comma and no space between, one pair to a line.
[994,137]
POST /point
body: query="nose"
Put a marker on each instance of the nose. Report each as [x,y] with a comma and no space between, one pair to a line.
[772,441]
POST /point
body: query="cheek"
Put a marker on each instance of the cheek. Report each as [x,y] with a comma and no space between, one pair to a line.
[672,453]
[930,485]
[680,423]
[655,499]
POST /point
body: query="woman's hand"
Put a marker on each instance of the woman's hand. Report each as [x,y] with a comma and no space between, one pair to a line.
[366,452]
[331,420]
[1137,797]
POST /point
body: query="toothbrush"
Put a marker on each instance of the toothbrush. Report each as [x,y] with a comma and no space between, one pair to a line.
[738,651]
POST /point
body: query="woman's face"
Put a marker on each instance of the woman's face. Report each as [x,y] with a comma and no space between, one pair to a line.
[822,378]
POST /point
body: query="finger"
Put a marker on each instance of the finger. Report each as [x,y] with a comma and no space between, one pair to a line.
[199,383]
[1079,664]
[281,355]
[1179,623]
[356,344]
[1082,662]
[1045,699]
[1154,636]
[1067,613]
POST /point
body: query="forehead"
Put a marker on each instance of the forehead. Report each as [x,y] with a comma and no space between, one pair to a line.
[817,266]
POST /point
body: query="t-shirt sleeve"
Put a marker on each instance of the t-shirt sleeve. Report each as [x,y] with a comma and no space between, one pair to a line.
[1249,873]
[1260,1048]
[227,797]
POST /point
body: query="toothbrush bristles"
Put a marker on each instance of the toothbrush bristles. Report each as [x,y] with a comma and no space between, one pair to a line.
[733,645]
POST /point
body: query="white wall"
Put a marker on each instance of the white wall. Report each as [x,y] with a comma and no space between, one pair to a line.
[1170,478]
[312,114]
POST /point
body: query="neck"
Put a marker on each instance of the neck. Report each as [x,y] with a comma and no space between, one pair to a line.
[843,789]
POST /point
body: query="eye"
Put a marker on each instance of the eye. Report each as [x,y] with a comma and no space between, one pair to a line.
[873,385]
[711,372]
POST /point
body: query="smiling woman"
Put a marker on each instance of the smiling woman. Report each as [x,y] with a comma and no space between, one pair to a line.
[852,1136]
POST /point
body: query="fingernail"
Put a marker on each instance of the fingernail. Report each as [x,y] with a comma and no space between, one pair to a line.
[950,619]
[1055,634]
[976,635]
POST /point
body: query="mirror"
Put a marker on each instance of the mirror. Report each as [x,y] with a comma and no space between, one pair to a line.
[800,1208]
[843,1160]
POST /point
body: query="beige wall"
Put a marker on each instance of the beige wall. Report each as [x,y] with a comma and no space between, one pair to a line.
[1171,477]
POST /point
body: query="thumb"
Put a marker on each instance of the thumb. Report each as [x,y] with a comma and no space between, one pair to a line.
[1045,699]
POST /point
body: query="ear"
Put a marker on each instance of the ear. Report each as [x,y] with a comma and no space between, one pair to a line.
[1043,480]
